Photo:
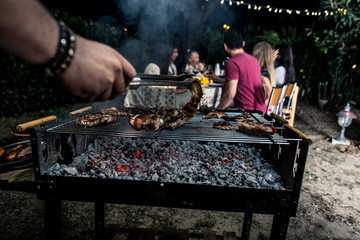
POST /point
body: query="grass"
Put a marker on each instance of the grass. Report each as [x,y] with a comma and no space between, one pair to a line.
[312,177]
[208,222]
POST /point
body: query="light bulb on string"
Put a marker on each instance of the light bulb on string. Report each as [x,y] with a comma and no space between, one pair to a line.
[279,10]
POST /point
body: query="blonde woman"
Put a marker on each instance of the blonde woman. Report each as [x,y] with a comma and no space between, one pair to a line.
[263,52]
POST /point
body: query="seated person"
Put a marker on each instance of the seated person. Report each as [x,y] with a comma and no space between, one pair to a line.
[263,52]
[192,65]
[242,76]
[153,69]
[201,66]
[172,70]
[284,66]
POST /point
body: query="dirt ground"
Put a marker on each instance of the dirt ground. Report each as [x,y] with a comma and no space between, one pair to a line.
[329,206]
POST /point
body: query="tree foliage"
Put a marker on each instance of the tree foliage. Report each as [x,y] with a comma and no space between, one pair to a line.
[337,38]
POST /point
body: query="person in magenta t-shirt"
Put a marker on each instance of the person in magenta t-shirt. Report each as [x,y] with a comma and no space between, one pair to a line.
[243,76]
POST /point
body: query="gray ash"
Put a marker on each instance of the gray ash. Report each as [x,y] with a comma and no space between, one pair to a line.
[220,164]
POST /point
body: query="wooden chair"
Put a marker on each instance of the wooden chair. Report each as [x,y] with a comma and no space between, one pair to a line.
[290,90]
[275,100]
[289,112]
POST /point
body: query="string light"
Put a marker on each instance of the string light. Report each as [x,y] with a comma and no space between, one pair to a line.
[226,27]
[289,11]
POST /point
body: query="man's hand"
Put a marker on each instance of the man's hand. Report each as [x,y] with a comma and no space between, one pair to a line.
[97,72]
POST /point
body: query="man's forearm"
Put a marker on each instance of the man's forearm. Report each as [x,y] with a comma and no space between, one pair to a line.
[225,102]
[228,95]
[28,31]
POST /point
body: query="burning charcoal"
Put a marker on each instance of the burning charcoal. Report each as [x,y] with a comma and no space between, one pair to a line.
[174,161]
[270,178]
[53,168]
[250,181]
[155,177]
[222,176]
[71,171]
[277,186]
[137,176]
[84,175]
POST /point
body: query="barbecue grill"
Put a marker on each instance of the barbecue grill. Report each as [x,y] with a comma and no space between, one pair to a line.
[61,141]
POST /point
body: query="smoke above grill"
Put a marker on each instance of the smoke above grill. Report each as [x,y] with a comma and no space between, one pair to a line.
[161,25]
[172,161]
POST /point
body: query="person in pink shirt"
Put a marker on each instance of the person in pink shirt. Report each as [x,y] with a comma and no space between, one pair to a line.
[243,85]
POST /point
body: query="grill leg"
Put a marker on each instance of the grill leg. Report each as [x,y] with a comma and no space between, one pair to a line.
[246,226]
[279,227]
[52,218]
[99,219]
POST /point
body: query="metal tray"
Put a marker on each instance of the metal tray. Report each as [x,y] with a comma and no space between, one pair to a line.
[17,164]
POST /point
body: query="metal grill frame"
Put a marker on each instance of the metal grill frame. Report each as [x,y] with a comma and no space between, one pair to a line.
[288,160]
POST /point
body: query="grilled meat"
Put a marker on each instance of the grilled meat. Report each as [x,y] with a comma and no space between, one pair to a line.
[224,125]
[21,151]
[218,114]
[174,122]
[190,108]
[108,115]
[138,120]
[153,123]
[252,128]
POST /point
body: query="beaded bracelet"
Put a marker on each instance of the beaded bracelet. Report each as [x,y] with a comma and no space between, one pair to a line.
[64,54]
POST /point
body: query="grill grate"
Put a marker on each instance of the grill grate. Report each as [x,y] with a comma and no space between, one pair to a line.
[197,130]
